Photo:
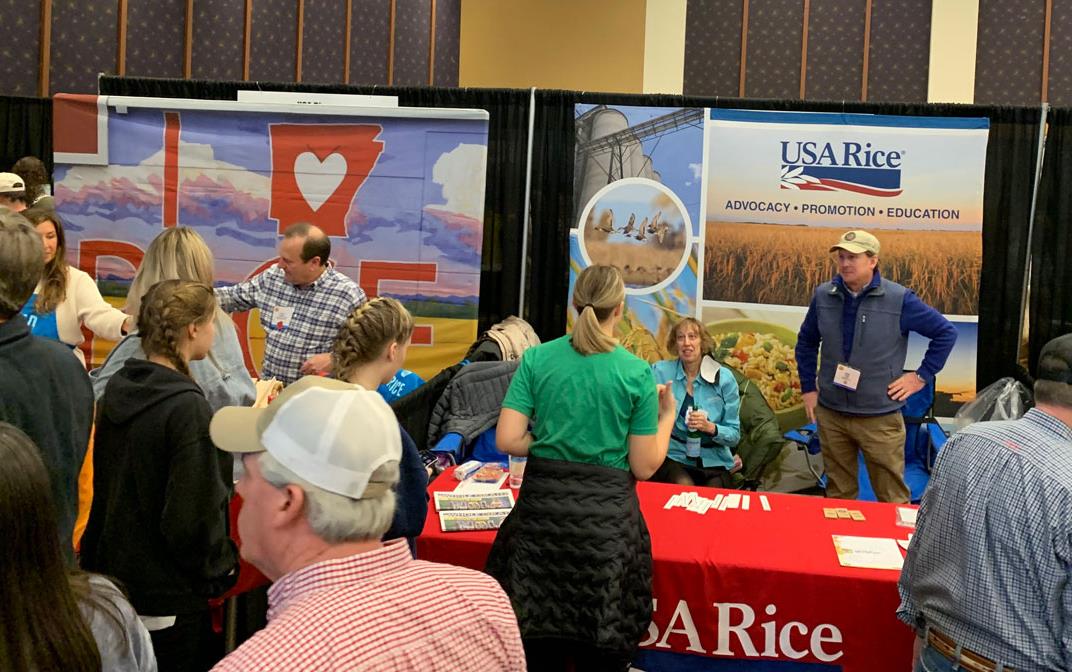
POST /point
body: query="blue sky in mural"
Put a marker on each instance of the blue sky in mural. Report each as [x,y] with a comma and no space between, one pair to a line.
[401,212]
[676,155]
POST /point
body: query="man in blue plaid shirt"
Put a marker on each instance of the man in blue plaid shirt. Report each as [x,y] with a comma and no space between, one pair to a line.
[303,302]
[988,579]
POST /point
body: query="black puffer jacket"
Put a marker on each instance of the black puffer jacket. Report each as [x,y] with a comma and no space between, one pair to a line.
[575,556]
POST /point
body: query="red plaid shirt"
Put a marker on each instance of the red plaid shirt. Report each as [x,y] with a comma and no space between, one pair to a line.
[383,611]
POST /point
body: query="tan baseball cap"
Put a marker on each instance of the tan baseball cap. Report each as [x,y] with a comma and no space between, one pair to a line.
[857,242]
[332,434]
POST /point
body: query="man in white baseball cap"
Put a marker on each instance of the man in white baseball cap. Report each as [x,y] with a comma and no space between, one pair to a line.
[319,465]
[12,192]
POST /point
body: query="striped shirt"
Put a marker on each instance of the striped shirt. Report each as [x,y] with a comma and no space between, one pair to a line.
[991,560]
[383,611]
[319,309]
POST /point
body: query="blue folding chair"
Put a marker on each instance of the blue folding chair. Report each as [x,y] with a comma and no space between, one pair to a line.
[924,437]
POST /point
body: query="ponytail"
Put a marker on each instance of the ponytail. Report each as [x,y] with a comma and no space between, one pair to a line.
[599,290]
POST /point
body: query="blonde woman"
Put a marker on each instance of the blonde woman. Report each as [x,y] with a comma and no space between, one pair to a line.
[66,298]
[179,253]
[159,517]
[369,350]
[576,535]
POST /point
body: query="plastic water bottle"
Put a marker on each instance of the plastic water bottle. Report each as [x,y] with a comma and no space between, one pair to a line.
[692,440]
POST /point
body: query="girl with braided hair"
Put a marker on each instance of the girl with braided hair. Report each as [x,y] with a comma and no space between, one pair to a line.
[159,517]
[369,350]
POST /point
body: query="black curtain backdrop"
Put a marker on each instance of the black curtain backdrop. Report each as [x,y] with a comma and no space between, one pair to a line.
[1051,240]
[25,130]
[1011,157]
[504,197]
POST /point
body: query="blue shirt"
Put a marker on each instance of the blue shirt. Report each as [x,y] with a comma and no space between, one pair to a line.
[41,324]
[990,564]
[400,385]
[915,316]
[319,309]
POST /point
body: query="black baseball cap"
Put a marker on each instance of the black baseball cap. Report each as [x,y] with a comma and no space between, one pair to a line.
[1055,360]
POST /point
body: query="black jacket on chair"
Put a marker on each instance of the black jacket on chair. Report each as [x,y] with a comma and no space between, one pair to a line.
[575,556]
[160,493]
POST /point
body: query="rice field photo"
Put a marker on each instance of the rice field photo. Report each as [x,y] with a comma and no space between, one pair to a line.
[637,226]
[782,264]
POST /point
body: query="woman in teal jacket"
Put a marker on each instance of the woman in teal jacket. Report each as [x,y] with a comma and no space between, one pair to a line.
[703,383]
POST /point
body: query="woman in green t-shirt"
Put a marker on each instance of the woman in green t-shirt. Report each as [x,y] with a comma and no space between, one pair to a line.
[575,555]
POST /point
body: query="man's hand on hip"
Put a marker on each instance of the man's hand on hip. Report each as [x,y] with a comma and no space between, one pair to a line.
[905,386]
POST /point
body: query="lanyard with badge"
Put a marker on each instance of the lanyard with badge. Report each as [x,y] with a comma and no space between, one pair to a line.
[847,377]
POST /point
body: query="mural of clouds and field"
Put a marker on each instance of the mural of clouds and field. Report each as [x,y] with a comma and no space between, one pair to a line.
[420,201]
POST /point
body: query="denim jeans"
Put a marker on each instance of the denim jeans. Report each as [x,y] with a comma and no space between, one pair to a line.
[932,661]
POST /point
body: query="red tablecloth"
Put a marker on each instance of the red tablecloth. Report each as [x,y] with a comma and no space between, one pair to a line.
[747,585]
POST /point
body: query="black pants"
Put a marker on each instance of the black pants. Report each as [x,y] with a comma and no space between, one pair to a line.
[563,655]
[677,473]
[188,646]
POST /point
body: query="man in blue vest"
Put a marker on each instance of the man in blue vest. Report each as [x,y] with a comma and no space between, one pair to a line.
[859,322]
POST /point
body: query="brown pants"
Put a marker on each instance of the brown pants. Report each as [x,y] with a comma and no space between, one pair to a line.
[881,438]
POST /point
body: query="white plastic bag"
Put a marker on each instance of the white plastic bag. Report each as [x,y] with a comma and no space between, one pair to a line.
[1007,399]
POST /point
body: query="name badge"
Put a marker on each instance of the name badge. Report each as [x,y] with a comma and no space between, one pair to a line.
[281,316]
[847,377]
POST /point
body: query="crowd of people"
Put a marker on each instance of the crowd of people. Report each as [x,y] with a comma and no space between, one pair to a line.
[158,425]
[333,489]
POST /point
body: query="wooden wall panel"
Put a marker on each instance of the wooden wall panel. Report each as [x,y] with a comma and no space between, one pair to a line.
[1060,76]
[775,30]
[448,24]
[20,65]
[324,42]
[83,44]
[712,47]
[369,38]
[219,28]
[1008,58]
[273,51]
[413,24]
[900,51]
[155,38]
[835,49]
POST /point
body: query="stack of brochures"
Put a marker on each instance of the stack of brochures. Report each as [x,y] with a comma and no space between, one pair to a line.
[460,512]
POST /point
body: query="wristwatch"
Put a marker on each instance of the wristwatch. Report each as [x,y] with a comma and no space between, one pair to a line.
[921,378]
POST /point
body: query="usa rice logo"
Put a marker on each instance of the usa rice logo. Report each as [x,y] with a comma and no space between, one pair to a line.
[851,166]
